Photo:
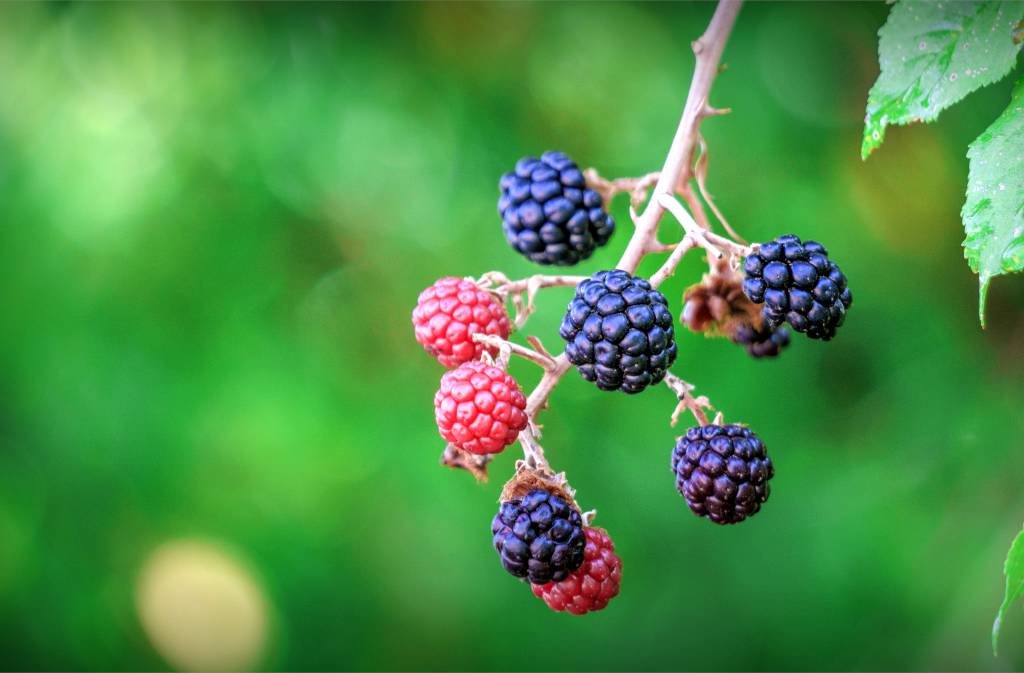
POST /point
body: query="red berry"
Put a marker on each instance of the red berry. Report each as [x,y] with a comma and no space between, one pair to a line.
[592,585]
[450,312]
[479,408]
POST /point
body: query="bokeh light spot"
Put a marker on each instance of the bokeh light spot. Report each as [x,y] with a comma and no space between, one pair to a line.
[201,608]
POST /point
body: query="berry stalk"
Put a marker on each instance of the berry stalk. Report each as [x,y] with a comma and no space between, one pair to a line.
[676,170]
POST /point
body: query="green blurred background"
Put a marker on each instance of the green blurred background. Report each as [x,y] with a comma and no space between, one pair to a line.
[216,220]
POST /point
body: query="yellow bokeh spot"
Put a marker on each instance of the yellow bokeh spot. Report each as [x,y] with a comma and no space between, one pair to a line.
[201,608]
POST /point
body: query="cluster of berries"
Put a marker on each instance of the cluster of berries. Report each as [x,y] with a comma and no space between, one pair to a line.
[783,281]
[619,334]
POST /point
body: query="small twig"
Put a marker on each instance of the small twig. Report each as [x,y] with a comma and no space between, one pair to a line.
[687,402]
[539,347]
[532,450]
[499,283]
[693,230]
[670,265]
[695,206]
[637,187]
[700,175]
[538,281]
[464,460]
[509,348]
[719,246]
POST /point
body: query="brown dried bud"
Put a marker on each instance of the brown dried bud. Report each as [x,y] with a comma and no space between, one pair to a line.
[716,305]
[528,478]
[458,459]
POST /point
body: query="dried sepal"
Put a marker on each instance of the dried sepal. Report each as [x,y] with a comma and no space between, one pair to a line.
[716,306]
[458,459]
[528,478]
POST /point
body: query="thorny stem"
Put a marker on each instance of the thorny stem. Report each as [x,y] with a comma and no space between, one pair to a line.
[708,50]
[677,170]
[678,164]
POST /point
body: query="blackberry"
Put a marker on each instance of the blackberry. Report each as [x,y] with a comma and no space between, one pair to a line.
[618,332]
[539,536]
[722,471]
[761,342]
[592,585]
[798,284]
[548,213]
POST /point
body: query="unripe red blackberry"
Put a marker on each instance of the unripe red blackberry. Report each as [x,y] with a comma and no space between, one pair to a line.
[450,312]
[722,471]
[479,408]
[592,585]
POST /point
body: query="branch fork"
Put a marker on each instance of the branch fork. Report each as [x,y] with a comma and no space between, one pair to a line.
[507,348]
[698,406]
[674,178]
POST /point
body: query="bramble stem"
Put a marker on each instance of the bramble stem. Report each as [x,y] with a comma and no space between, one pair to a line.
[675,174]
[678,166]
[708,50]
[539,397]
[530,286]
[710,241]
[532,450]
[535,282]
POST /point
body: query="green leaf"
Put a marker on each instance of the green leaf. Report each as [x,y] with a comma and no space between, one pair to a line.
[932,54]
[994,211]
[1014,571]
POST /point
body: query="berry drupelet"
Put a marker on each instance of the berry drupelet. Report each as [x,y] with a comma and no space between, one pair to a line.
[618,332]
[539,536]
[798,284]
[722,471]
[548,213]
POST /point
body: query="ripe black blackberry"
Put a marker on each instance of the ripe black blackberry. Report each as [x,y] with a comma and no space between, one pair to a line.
[618,332]
[548,213]
[539,536]
[722,471]
[798,284]
[763,341]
